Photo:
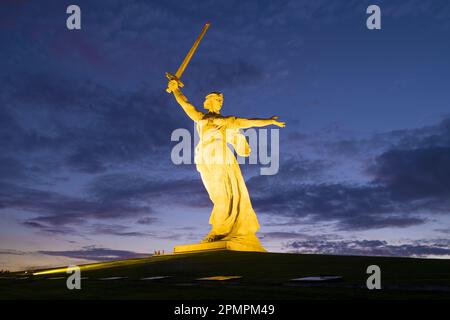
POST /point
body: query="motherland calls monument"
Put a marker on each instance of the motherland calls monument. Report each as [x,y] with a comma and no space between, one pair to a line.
[233,220]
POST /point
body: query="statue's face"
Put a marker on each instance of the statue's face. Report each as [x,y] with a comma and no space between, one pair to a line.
[214,103]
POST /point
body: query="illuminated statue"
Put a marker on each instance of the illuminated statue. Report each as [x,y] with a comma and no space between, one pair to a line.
[232,218]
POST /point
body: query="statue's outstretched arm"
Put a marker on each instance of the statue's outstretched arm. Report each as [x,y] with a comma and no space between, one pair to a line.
[248,123]
[190,110]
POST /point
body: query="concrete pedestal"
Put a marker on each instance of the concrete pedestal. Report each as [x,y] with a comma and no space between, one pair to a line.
[218,245]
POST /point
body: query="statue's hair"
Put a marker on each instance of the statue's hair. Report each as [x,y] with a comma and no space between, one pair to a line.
[212,94]
[207,103]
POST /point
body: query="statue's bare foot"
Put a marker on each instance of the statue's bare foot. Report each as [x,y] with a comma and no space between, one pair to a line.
[207,239]
[211,237]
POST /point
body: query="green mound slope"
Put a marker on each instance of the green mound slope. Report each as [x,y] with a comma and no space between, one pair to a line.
[263,276]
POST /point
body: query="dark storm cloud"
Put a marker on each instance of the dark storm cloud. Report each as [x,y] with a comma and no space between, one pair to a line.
[147,220]
[116,230]
[372,247]
[96,254]
[446,231]
[126,186]
[283,235]
[415,174]
[110,197]
[380,220]
[429,136]
[83,125]
[333,141]
[56,209]
[51,227]
[352,207]
[47,229]
[11,251]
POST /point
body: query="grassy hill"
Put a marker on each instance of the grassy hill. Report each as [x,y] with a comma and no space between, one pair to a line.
[264,276]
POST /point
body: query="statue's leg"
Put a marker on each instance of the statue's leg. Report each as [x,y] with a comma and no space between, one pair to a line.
[246,223]
[225,197]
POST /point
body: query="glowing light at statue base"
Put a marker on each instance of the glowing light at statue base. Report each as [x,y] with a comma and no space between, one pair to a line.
[218,245]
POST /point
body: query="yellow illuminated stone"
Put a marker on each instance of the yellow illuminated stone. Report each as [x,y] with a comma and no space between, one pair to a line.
[233,220]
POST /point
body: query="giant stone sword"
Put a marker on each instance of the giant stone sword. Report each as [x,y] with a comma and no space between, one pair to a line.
[186,60]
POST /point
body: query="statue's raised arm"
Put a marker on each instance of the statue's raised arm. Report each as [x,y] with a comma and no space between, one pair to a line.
[190,110]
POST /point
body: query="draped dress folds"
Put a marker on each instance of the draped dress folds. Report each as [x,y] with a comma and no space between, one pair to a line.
[232,217]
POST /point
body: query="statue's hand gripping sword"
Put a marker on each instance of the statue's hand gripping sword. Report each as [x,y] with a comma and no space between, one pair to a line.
[186,60]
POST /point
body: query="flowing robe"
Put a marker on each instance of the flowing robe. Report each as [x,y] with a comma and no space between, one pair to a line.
[232,217]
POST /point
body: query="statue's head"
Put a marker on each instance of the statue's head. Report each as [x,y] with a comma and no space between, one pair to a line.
[213,102]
